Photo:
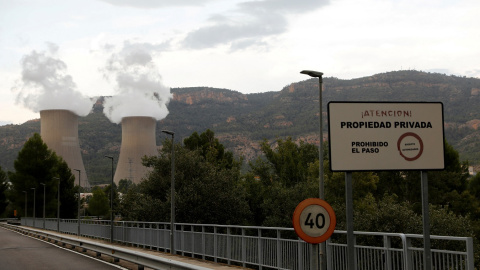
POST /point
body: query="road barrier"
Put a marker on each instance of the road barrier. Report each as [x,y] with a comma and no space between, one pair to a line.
[276,248]
[118,253]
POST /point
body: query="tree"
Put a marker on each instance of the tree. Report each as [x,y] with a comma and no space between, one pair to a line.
[37,164]
[279,180]
[124,185]
[3,191]
[289,162]
[116,199]
[98,204]
[210,149]
[207,184]
[68,191]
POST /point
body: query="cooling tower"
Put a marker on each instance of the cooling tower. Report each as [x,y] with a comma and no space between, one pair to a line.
[138,140]
[59,130]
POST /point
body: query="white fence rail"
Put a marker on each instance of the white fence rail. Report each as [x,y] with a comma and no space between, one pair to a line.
[275,248]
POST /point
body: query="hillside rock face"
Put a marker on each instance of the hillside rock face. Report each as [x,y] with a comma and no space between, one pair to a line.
[196,96]
[242,121]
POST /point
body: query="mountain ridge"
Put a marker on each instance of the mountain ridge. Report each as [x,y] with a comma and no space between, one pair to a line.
[241,121]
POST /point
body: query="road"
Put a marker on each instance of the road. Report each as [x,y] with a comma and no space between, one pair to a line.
[18,251]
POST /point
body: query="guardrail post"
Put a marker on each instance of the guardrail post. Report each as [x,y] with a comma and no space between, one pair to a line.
[144,234]
[299,254]
[123,231]
[407,253]
[182,238]
[244,249]
[203,243]
[260,248]
[279,251]
[229,246]
[329,255]
[193,240]
[470,254]
[215,243]
[387,243]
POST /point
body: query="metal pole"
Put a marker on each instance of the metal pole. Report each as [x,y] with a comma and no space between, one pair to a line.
[111,203]
[111,207]
[321,188]
[25,203]
[172,195]
[350,236]
[58,205]
[78,210]
[427,255]
[34,199]
[43,204]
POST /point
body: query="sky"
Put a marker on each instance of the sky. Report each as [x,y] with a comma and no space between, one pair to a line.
[73,51]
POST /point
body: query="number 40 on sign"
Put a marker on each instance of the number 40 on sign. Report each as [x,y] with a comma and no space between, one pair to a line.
[314,220]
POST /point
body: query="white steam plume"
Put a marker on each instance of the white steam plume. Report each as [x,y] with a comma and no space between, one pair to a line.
[139,88]
[45,85]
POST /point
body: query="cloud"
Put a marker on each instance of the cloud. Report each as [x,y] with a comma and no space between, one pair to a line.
[45,85]
[249,23]
[133,53]
[155,3]
[139,87]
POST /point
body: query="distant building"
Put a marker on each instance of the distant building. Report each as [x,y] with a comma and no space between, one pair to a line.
[471,171]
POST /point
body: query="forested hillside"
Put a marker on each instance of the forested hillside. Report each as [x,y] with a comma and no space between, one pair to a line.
[242,121]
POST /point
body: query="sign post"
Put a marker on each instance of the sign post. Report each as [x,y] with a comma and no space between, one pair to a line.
[349,218]
[380,136]
[427,254]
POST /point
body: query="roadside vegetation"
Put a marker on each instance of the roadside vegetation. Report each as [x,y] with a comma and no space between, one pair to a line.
[212,186]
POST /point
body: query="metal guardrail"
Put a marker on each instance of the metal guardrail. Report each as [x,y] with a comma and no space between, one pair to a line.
[139,258]
[276,248]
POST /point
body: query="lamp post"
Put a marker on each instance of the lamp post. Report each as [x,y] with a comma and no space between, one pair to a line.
[58,204]
[111,203]
[25,202]
[321,190]
[34,207]
[172,195]
[78,212]
[43,184]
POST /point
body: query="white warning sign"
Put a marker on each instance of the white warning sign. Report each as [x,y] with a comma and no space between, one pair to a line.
[374,136]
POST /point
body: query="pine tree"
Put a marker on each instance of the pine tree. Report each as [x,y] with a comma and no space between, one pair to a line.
[36,164]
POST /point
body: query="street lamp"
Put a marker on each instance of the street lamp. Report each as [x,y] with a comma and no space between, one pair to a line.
[319,75]
[25,203]
[43,204]
[58,204]
[34,200]
[172,195]
[321,190]
[78,212]
[111,203]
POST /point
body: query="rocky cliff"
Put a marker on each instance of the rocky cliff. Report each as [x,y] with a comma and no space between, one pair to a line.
[242,121]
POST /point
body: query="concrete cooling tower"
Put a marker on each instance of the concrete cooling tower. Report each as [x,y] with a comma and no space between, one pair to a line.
[59,130]
[138,140]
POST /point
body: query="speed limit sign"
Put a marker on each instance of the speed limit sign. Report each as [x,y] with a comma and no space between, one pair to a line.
[314,220]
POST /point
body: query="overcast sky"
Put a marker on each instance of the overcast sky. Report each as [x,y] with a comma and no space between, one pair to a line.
[247,46]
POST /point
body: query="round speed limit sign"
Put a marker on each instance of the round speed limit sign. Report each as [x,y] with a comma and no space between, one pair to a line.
[314,220]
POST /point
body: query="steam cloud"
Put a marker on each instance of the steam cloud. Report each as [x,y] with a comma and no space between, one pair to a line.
[45,85]
[139,87]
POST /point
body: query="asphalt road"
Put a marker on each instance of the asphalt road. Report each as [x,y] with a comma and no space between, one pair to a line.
[18,251]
